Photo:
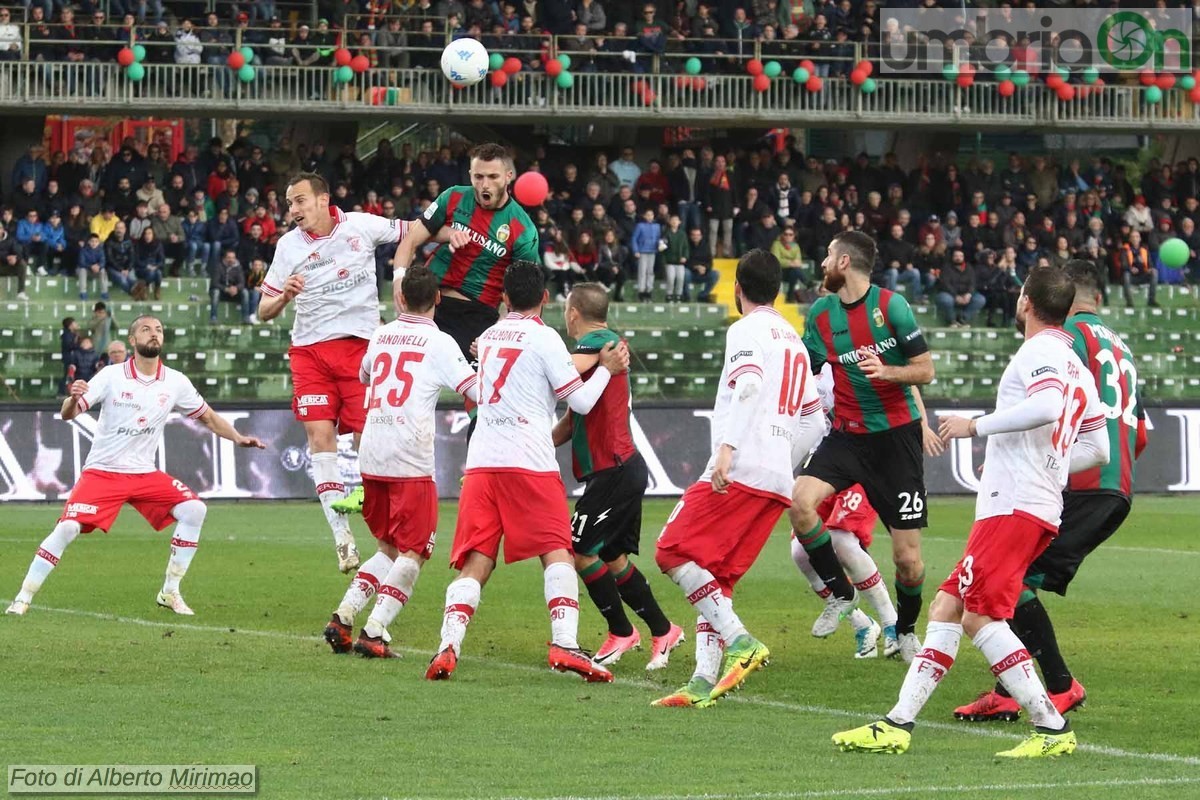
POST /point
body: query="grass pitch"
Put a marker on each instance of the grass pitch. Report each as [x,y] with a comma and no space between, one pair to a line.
[97,674]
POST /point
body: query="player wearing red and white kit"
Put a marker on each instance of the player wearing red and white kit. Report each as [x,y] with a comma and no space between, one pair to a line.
[1048,423]
[512,488]
[766,418]
[407,364]
[136,398]
[326,264]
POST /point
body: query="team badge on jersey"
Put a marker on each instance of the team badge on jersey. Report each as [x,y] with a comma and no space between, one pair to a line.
[355,244]
[502,233]
[314,256]
[343,273]
[877,317]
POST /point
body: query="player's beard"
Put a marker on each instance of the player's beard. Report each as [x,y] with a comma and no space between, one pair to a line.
[494,199]
[1019,322]
[149,350]
[834,281]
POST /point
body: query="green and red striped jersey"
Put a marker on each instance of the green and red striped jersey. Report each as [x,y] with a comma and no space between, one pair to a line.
[1111,364]
[601,439]
[882,322]
[497,237]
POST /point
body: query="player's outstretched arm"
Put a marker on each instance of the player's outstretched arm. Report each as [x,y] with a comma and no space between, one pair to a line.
[272,307]
[918,370]
[70,407]
[1040,408]
[223,428]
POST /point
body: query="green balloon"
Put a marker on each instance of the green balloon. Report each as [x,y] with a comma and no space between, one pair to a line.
[1174,253]
[1187,83]
[245,73]
[800,75]
[1091,75]
[772,69]
[247,53]
[565,60]
[1020,77]
[1002,72]
[343,74]
[135,72]
[565,80]
[495,61]
[139,53]
[868,86]
[393,96]
[1153,95]
[692,66]
[1063,72]
[950,72]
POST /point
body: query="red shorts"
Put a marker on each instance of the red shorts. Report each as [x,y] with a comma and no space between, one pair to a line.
[988,578]
[724,533]
[850,511]
[98,496]
[527,509]
[402,512]
[325,383]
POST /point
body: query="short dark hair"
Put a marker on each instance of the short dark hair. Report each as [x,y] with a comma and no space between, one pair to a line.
[67,322]
[1085,275]
[590,300]
[860,247]
[1051,294]
[319,185]
[490,151]
[525,284]
[100,306]
[420,288]
[759,275]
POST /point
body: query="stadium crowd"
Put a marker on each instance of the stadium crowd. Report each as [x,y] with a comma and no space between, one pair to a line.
[963,237]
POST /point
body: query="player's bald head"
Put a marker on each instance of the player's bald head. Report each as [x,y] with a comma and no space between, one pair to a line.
[590,300]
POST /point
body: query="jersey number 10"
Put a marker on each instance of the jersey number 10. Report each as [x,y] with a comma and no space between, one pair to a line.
[791,387]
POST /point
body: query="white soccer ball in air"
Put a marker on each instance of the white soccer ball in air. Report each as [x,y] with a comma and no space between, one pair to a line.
[465,62]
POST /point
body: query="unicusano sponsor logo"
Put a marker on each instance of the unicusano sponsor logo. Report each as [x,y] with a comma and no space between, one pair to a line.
[921,41]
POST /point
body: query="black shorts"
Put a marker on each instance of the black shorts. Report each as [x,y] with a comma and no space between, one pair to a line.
[889,465]
[1088,519]
[608,516]
[464,320]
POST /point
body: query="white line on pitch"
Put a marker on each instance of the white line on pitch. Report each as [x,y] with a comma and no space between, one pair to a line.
[631,682]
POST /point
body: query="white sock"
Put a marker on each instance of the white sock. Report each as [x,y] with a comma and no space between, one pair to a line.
[562,599]
[363,587]
[190,518]
[926,670]
[709,649]
[859,619]
[706,596]
[46,558]
[800,556]
[394,592]
[1011,665]
[462,598]
[864,574]
[330,489]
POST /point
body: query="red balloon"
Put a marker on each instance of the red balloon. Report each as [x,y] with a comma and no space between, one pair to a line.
[531,189]
[1006,88]
[236,60]
[498,78]
[640,86]
[699,84]
[1055,81]
[1099,84]
[648,97]
[1083,91]
[1066,92]
[810,66]
[554,68]
[858,77]
[683,83]
[1165,81]
[865,66]
[814,84]
[512,65]
[967,68]
[761,83]
[360,63]
[754,67]
[378,95]
[1195,93]
[342,57]
[965,81]
[125,57]
[1146,77]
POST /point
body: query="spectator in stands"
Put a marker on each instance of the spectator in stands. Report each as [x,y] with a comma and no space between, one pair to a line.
[655,181]
[560,270]
[115,353]
[101,326]
[68,342]
[196,244]
[12,265]
[54,241]
[675,257]
[613,263]
[700,271]
[1135,267]
[955,293]
[123,199]
[254,247]
[763,233]
[746,217]
[645,244]
[791,259]
[229,285]
[929,259]
[997,281]
[626,169]
[32,240]
[168,230]
[119,259]
[10,37]
[84,360]
[150,261]
[140,221]
[254,282]
[222,234]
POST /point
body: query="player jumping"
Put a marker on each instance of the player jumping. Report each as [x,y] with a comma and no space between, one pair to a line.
[767,417]
[1098,501]
[138,396]
[407,364]
[512,488]
[607,523]
[1048,422]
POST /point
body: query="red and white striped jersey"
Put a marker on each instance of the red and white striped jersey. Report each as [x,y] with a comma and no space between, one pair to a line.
[340,297]
[524,371]
[1025,472]
[407,364]
[134,412]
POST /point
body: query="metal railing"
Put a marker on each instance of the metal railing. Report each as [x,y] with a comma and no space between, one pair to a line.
[207,91]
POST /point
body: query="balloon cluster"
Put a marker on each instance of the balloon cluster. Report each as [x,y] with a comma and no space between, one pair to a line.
[806,74]
[763,73]
[860,76]
[1164,82]
[241,61]
[348,65]
[557,68]
[962,74]
[502,68]
[645,91]
[131,59]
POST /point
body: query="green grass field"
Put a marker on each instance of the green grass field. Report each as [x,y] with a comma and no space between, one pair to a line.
[97,674]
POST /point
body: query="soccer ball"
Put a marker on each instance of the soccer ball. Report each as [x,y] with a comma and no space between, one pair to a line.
[465,62]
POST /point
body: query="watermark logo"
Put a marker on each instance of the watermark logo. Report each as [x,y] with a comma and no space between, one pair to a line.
[925,41]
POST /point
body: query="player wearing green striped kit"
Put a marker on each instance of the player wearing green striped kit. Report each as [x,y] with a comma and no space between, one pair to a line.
[878,355]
